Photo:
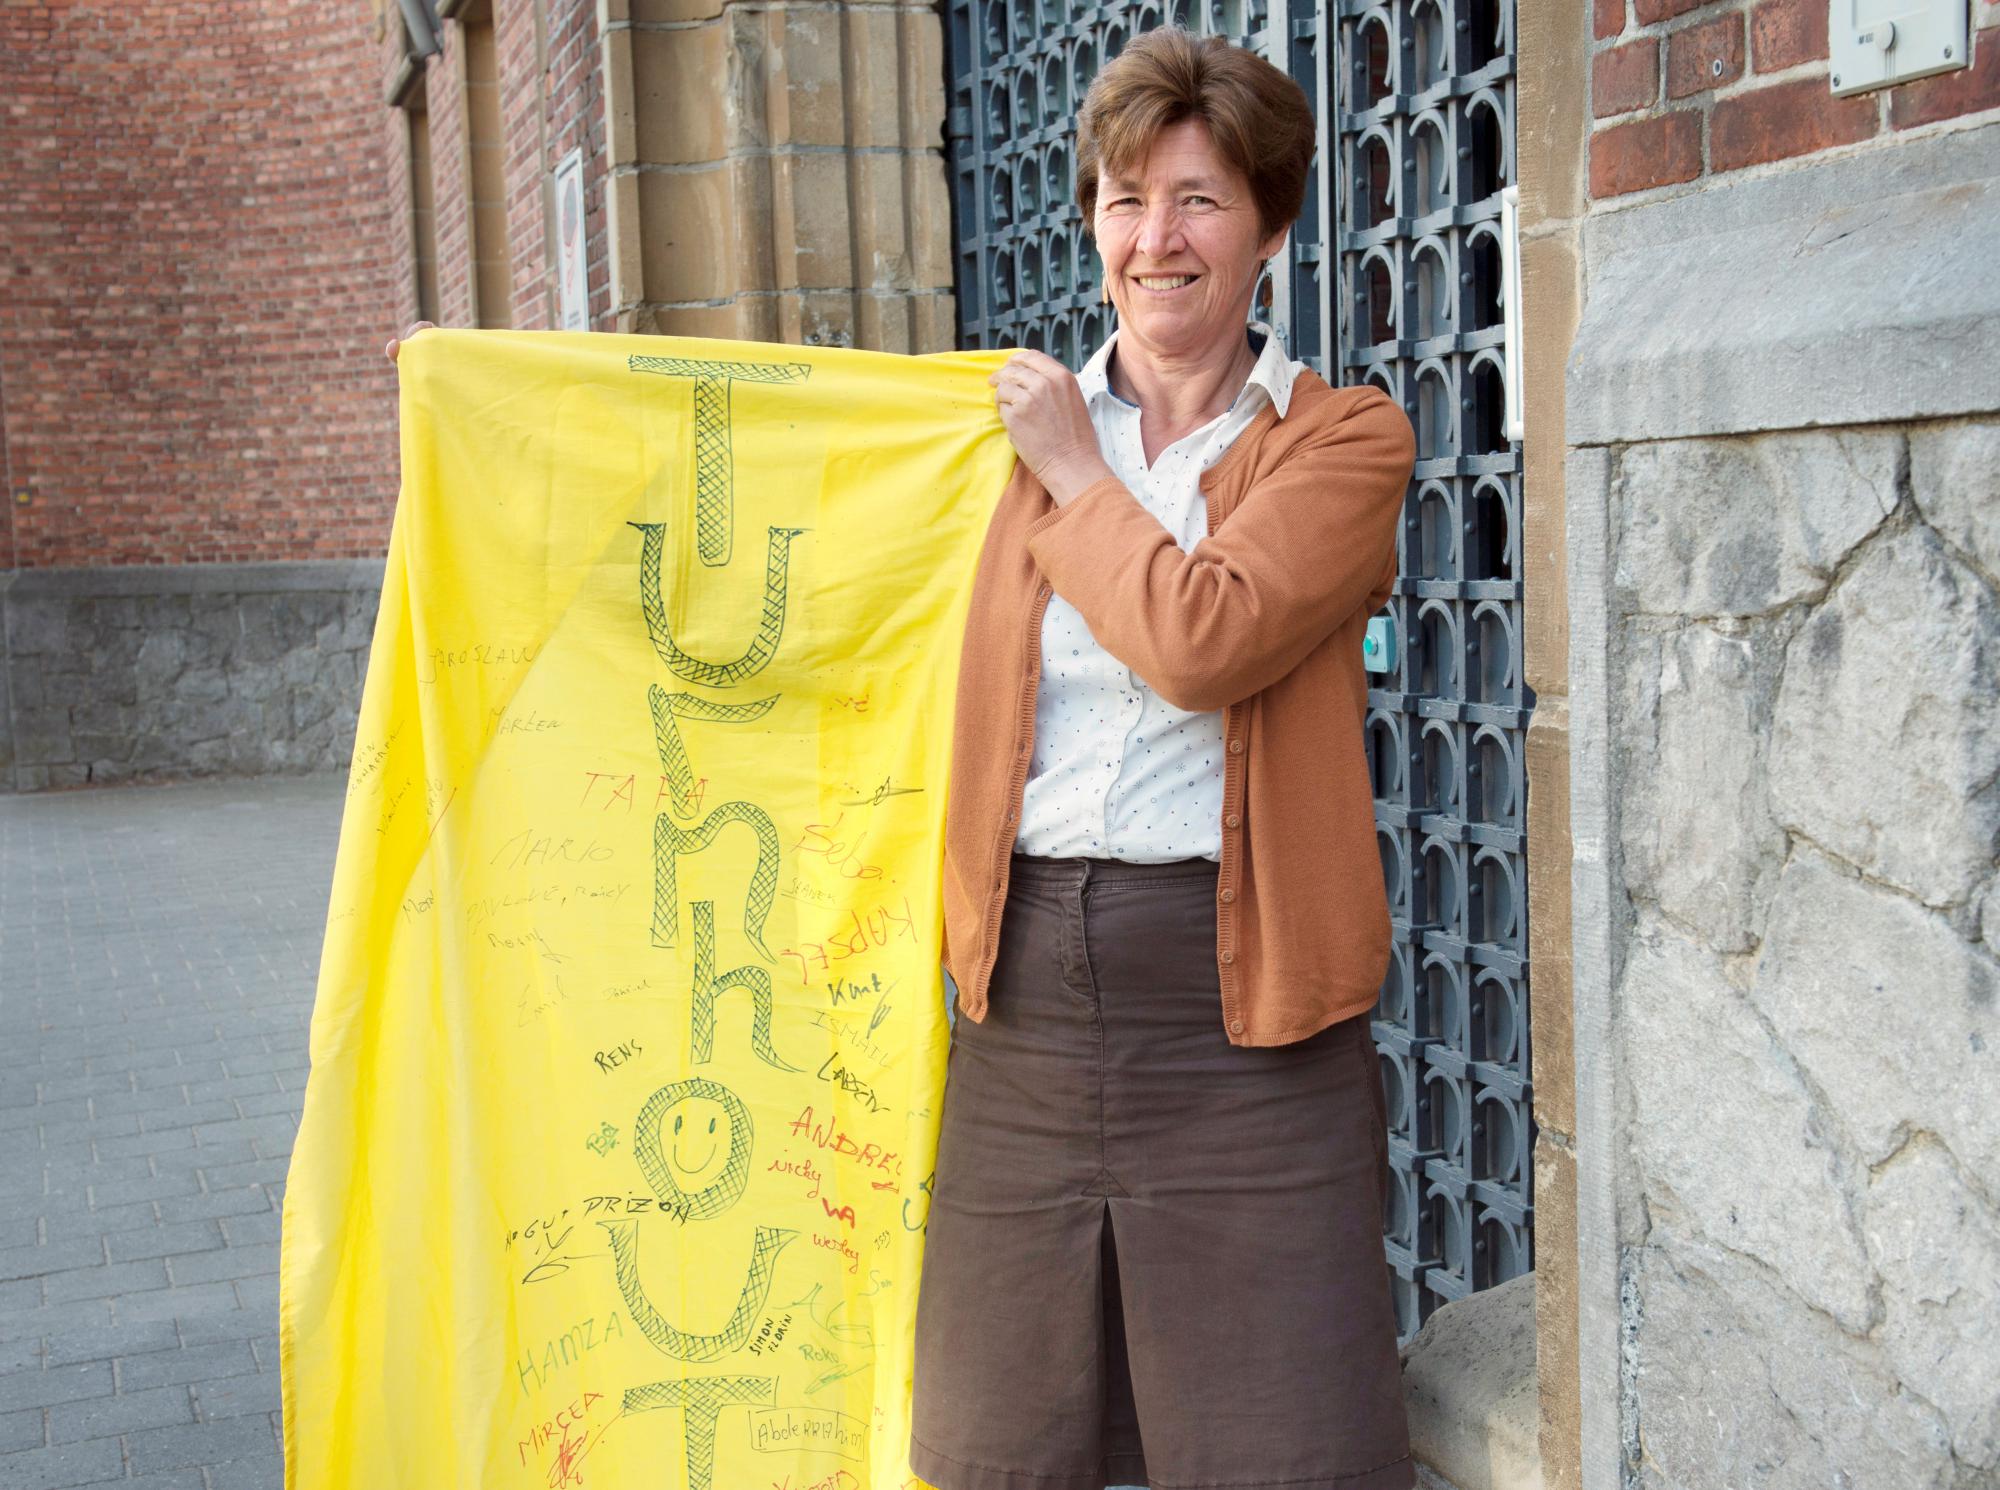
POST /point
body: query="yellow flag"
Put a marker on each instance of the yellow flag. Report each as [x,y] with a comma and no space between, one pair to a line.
[629,1040]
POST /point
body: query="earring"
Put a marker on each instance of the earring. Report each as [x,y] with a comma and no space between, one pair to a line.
[1104,292]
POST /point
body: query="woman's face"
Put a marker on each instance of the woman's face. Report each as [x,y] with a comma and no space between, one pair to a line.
[1181,245]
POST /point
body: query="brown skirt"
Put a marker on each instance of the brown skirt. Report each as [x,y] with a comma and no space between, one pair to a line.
[1154,1258]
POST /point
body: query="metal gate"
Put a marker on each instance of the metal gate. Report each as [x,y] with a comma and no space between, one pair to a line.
[1394,276]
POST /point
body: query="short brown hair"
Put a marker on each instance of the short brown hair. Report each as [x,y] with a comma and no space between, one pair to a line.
[1257,116]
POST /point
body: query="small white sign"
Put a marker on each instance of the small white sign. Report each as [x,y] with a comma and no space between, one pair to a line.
[572,280]
[1873,43]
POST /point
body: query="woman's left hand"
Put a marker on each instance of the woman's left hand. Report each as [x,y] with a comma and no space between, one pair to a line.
[1045,416]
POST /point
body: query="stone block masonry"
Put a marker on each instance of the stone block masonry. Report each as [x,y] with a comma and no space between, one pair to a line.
[1783,524]
[1808,739]
[776,171]
[120,674]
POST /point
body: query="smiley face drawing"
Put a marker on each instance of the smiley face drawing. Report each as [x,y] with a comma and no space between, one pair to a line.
[692,1140]
[694,1175]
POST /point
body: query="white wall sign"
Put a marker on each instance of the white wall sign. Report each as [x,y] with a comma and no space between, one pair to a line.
[1873,43]
[572,282]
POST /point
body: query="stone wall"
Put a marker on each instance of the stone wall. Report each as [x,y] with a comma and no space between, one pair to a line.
[1808,732]
[1784,540]
[777,171]
[198,669]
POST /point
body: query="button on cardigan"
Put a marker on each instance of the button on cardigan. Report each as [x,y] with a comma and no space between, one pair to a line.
[1262,619]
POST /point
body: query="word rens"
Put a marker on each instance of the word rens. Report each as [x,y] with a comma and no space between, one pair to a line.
[618,1055]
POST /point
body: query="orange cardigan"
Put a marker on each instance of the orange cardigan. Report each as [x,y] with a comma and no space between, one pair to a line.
[1264,620]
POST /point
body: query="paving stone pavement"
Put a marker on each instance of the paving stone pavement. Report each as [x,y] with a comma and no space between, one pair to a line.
[158,947]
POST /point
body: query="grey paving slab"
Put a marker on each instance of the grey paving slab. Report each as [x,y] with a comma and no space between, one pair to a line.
[259,1295]
[207,1158]
[147,1101]
[33,1114]
[21,1320]
[100,1172]
[203,1444]
[165,1241]
[261,1473]
[157,1185]
[226,1262]
[262,1227]
[248,1172]
[182,1114]
[67,1222]
[237,1396]
[181,1304]
[105,1281]
[267,1103]
[157,1141]
[21,1430]
[107,1417]
[63,1466]
[38,1262]
[160,945]
[213,1204]
[108,1342]
[196,1363]
[63,1384]
[230,1324]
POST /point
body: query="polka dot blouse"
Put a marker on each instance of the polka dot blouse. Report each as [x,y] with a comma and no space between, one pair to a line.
[1118,772]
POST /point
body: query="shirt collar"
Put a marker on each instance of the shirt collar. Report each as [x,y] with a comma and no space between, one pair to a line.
[1273,371]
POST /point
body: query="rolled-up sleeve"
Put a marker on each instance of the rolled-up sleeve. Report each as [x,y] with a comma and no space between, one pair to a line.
[1310,544]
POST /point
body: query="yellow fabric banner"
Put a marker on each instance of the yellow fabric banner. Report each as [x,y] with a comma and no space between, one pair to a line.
[630,1033]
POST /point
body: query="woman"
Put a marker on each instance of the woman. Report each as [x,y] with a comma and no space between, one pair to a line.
[1154,1252]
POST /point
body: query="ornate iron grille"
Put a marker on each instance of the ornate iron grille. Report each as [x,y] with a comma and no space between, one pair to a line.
[1416,109]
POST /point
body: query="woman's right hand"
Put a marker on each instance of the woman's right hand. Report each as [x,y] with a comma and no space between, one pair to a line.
[396,343]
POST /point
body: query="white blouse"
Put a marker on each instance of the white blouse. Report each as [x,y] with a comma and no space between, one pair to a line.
[1118,772]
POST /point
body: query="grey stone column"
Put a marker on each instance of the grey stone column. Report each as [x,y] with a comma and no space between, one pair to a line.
[1783,413]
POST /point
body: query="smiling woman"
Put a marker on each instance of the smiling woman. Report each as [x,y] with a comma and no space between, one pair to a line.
[1154,1252]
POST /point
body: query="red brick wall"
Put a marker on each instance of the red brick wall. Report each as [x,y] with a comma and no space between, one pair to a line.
[1681,89]
[527,169]
[552,101]
[451,172]
[394,126]
[200,262]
